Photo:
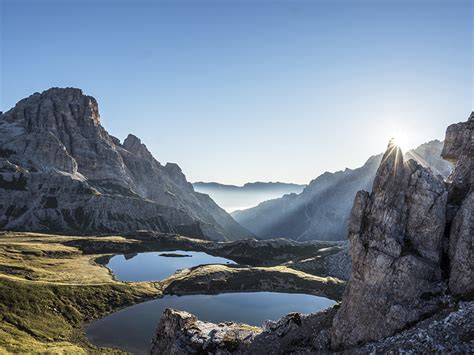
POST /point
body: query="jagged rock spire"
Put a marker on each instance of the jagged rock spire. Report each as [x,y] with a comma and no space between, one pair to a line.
[134,145]
[396,244]
[390,170]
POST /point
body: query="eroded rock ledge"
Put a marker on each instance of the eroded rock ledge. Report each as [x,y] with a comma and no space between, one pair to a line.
[412,264]
[449,330]
[182,333]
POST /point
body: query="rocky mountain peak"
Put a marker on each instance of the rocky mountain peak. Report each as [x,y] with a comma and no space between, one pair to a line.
[390,170]
[132,142]
[60,129]
[134,145]
[97,184]
[55,108]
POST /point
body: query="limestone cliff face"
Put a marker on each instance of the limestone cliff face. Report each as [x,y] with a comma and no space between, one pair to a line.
[61,171]
[459,149]
[396,236]
[410,238]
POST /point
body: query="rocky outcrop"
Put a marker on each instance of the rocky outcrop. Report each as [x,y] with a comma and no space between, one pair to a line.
[409,238]
[334,261]
[182,333]
[449,331]
[396,235]
[459,150]
[322,210]
[61,171]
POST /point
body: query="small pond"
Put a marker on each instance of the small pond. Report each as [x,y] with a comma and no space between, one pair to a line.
[132,328]
[155,266]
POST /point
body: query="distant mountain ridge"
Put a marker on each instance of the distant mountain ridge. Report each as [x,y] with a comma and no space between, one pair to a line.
[322,210]
[61,171]
[251,185]
[232,197]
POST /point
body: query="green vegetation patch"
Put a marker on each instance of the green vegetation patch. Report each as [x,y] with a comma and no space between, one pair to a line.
[36,316]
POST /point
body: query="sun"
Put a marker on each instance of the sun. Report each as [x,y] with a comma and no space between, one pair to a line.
[401,140]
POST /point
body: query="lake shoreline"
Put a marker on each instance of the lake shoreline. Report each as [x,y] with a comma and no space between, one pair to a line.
[72,265]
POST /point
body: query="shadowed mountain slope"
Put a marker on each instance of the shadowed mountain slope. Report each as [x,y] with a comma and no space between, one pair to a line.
[321,211]
[231,197]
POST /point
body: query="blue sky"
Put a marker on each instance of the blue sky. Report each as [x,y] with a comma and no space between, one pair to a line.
[237,91]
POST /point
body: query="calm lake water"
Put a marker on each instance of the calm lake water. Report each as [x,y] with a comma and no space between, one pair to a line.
[132,328]
[154,267]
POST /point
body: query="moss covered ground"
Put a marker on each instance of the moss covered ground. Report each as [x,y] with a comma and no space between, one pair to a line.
[52,285]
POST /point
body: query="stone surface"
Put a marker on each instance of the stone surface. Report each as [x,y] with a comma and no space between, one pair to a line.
[61,171]
[450,331]
[182,333]
[334,261]
[396,246]
[461,250]
[460,221]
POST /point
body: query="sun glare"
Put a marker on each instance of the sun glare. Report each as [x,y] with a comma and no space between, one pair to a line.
[401,140]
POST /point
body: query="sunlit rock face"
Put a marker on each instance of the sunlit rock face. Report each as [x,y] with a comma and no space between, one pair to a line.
[61,171]
[396,235]
[459,149]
